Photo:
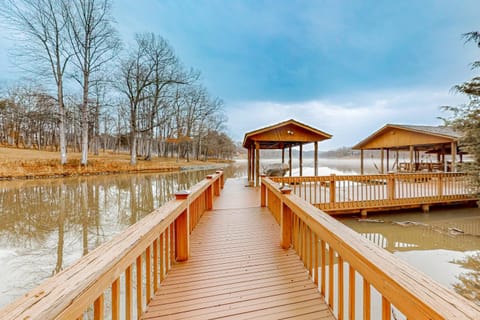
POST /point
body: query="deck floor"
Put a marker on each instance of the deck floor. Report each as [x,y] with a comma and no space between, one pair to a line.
[237,269]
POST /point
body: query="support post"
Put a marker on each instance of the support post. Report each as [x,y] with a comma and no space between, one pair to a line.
[249,164]
[283,155]
[182,226]
[411,159]
[361,162]
[290,160]
[257,164]
[182,236]
[263,193]
[454,156]
[286,223]
[300,159]
[332,188]
[391,186]
[315,158]
[382,156]
[388,160]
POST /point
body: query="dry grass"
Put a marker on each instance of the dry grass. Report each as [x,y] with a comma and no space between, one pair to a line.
[26,163]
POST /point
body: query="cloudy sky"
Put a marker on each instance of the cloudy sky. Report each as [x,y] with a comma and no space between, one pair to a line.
[346,67]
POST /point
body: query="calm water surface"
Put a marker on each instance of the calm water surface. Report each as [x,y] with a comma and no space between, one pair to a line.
[46,225]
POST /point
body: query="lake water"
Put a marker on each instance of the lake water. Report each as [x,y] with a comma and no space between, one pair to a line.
[47,225]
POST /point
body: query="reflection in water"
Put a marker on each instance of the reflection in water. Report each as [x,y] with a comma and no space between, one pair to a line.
[445,244]
[469,285]
[47,225]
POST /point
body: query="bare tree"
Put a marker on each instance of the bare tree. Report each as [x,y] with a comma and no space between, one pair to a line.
[95,43]
[42,29]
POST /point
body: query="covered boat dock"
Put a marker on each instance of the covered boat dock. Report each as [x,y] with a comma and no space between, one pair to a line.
[414,139]
[283,135]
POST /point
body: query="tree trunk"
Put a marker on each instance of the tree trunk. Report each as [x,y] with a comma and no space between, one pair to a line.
[61,125]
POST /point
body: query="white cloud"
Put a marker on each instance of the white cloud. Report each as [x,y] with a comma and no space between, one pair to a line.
[348,119]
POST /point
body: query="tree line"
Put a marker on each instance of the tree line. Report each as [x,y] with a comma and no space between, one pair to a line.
[91,93]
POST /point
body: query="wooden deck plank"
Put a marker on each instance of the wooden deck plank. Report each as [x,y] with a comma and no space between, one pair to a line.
[237,269]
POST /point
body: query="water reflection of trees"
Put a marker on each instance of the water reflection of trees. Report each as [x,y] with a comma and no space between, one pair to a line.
[469,282]
[56,221]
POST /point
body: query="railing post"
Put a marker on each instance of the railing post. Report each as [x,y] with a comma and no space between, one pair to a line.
[391,186]
[285,222]
[332,188]
[263,192]
[222,178]
[182,230]
[209,195]
[440,185]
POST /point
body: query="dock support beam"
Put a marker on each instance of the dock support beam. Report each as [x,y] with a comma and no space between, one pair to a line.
[257,164]
[290,160]
[286,222]
[361,162]
[300,159]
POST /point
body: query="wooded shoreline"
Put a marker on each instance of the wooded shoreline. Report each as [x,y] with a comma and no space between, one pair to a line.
[31,164]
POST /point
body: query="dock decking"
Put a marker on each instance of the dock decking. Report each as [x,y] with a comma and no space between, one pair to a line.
[237,269]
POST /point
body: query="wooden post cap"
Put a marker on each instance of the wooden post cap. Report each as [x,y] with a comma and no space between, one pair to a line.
[285,189]
[182,195]
[209,176]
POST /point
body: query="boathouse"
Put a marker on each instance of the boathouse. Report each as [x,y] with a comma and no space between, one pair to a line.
[283,135]
[438,141]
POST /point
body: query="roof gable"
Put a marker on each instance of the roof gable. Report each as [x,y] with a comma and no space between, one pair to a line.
[398,136]
[284,134]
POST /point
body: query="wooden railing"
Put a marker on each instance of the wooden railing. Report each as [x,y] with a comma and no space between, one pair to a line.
[338,193]
[352,271]
[145,251]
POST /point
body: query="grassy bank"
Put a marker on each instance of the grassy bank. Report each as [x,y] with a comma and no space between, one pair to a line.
[26,163]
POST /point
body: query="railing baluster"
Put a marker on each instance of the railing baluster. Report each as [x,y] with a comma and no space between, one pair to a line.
[366,300]
[315,258]
[330,276]
[167,250]
[309,251]
[155,266]
[139,285]
[351,293]
[148,274]
[98,308]
[162,257]
[322,286]
[340,287]
[116,300]
[128,293]
[386,309]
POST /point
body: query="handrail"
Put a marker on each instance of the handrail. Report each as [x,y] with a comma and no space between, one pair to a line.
[346,193]
[150,247]
[322,242]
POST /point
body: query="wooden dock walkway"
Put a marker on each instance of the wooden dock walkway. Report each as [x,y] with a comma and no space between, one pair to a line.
[237,269]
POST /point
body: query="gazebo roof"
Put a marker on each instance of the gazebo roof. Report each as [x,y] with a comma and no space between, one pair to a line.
[402,136]
[285,134]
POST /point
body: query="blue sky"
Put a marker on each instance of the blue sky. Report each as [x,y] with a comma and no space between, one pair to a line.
[345,67]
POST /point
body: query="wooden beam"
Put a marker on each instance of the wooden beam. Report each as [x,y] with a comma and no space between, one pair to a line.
[300,159]
[382,156]
[411,159]
[361,162]
[454,156]
[290,159]
[315,158]
[249,164]
[257,163]
[388,160]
